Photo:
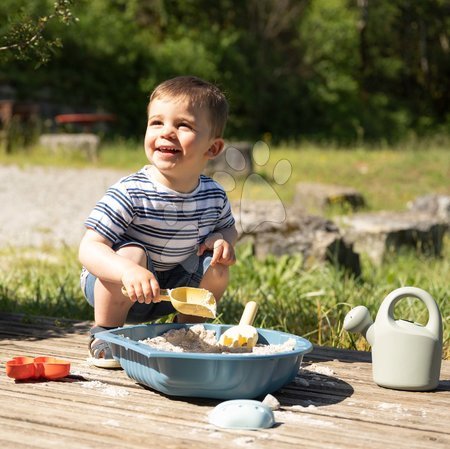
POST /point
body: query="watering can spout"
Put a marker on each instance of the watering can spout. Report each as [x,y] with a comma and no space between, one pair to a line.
[359,320]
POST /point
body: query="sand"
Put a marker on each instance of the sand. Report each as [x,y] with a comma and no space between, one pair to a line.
[197,339]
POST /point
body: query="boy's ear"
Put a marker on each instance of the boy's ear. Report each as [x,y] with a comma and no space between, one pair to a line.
[216,148]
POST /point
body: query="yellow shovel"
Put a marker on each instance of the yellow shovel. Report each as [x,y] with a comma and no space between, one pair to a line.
[244,334]
[189,300]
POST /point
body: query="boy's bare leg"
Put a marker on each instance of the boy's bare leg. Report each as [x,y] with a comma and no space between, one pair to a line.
[216,281]
[111,306]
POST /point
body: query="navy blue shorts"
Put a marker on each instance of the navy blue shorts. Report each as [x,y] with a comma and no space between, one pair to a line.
[188,274]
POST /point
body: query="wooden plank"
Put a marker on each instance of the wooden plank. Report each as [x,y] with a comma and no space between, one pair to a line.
[333,402]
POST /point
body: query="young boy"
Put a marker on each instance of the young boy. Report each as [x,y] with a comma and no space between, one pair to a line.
[165,226]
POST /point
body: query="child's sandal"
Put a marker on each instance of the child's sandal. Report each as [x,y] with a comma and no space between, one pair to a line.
[101,354]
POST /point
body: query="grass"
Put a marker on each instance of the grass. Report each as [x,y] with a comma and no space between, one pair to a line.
[42,281]
[123,155]
[387,177]
[315,301]
[310,302]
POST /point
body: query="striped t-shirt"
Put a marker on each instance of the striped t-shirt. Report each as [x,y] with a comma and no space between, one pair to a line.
[169,224]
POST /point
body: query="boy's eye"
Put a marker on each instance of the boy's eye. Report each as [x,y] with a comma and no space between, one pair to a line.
[155,123]
[184,125]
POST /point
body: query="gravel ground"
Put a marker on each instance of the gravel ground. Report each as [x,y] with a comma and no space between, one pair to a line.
[48,206]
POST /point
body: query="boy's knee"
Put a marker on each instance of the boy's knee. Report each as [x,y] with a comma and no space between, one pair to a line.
[135,253]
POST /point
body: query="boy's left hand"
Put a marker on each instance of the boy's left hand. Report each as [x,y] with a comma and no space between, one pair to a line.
[223,251]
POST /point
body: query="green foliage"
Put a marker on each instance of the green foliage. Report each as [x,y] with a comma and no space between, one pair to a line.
[314,302]
[24,36]
[330,38]
[407,62]
[324,70]
[42,282]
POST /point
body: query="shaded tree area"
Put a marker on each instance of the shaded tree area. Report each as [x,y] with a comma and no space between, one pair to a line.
[23,37]
[341,70]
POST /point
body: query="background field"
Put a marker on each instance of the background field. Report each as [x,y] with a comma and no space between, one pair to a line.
[310,302]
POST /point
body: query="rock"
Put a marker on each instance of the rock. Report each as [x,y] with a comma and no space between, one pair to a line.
[274,229]
[377,233]
[271,402]
[433,204]
[316,197]
[235,159]
[86,143]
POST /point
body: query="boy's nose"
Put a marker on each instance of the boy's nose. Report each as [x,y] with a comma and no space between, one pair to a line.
[167,130]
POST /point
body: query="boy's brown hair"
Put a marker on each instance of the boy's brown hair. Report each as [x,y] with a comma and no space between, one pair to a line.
[199,93]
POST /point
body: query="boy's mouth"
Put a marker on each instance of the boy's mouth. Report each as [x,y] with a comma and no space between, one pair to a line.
[168,150]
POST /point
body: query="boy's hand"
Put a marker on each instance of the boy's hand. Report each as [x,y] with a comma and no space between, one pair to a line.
[223,251]
[141,285]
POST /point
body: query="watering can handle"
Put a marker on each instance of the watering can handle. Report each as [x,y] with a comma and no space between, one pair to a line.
[386,310]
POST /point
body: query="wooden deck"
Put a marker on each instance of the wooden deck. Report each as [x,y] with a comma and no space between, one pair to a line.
[333,403]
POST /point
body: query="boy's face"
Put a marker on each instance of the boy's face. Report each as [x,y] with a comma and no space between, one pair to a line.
[178,139]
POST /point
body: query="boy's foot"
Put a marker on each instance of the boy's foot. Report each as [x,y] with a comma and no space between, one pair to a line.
[100,354]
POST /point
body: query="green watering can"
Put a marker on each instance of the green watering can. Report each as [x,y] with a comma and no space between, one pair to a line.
[405,355]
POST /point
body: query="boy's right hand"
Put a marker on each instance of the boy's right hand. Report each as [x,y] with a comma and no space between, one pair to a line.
[141,285]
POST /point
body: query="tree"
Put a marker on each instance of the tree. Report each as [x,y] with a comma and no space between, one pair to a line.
[25,38]
[334,70]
